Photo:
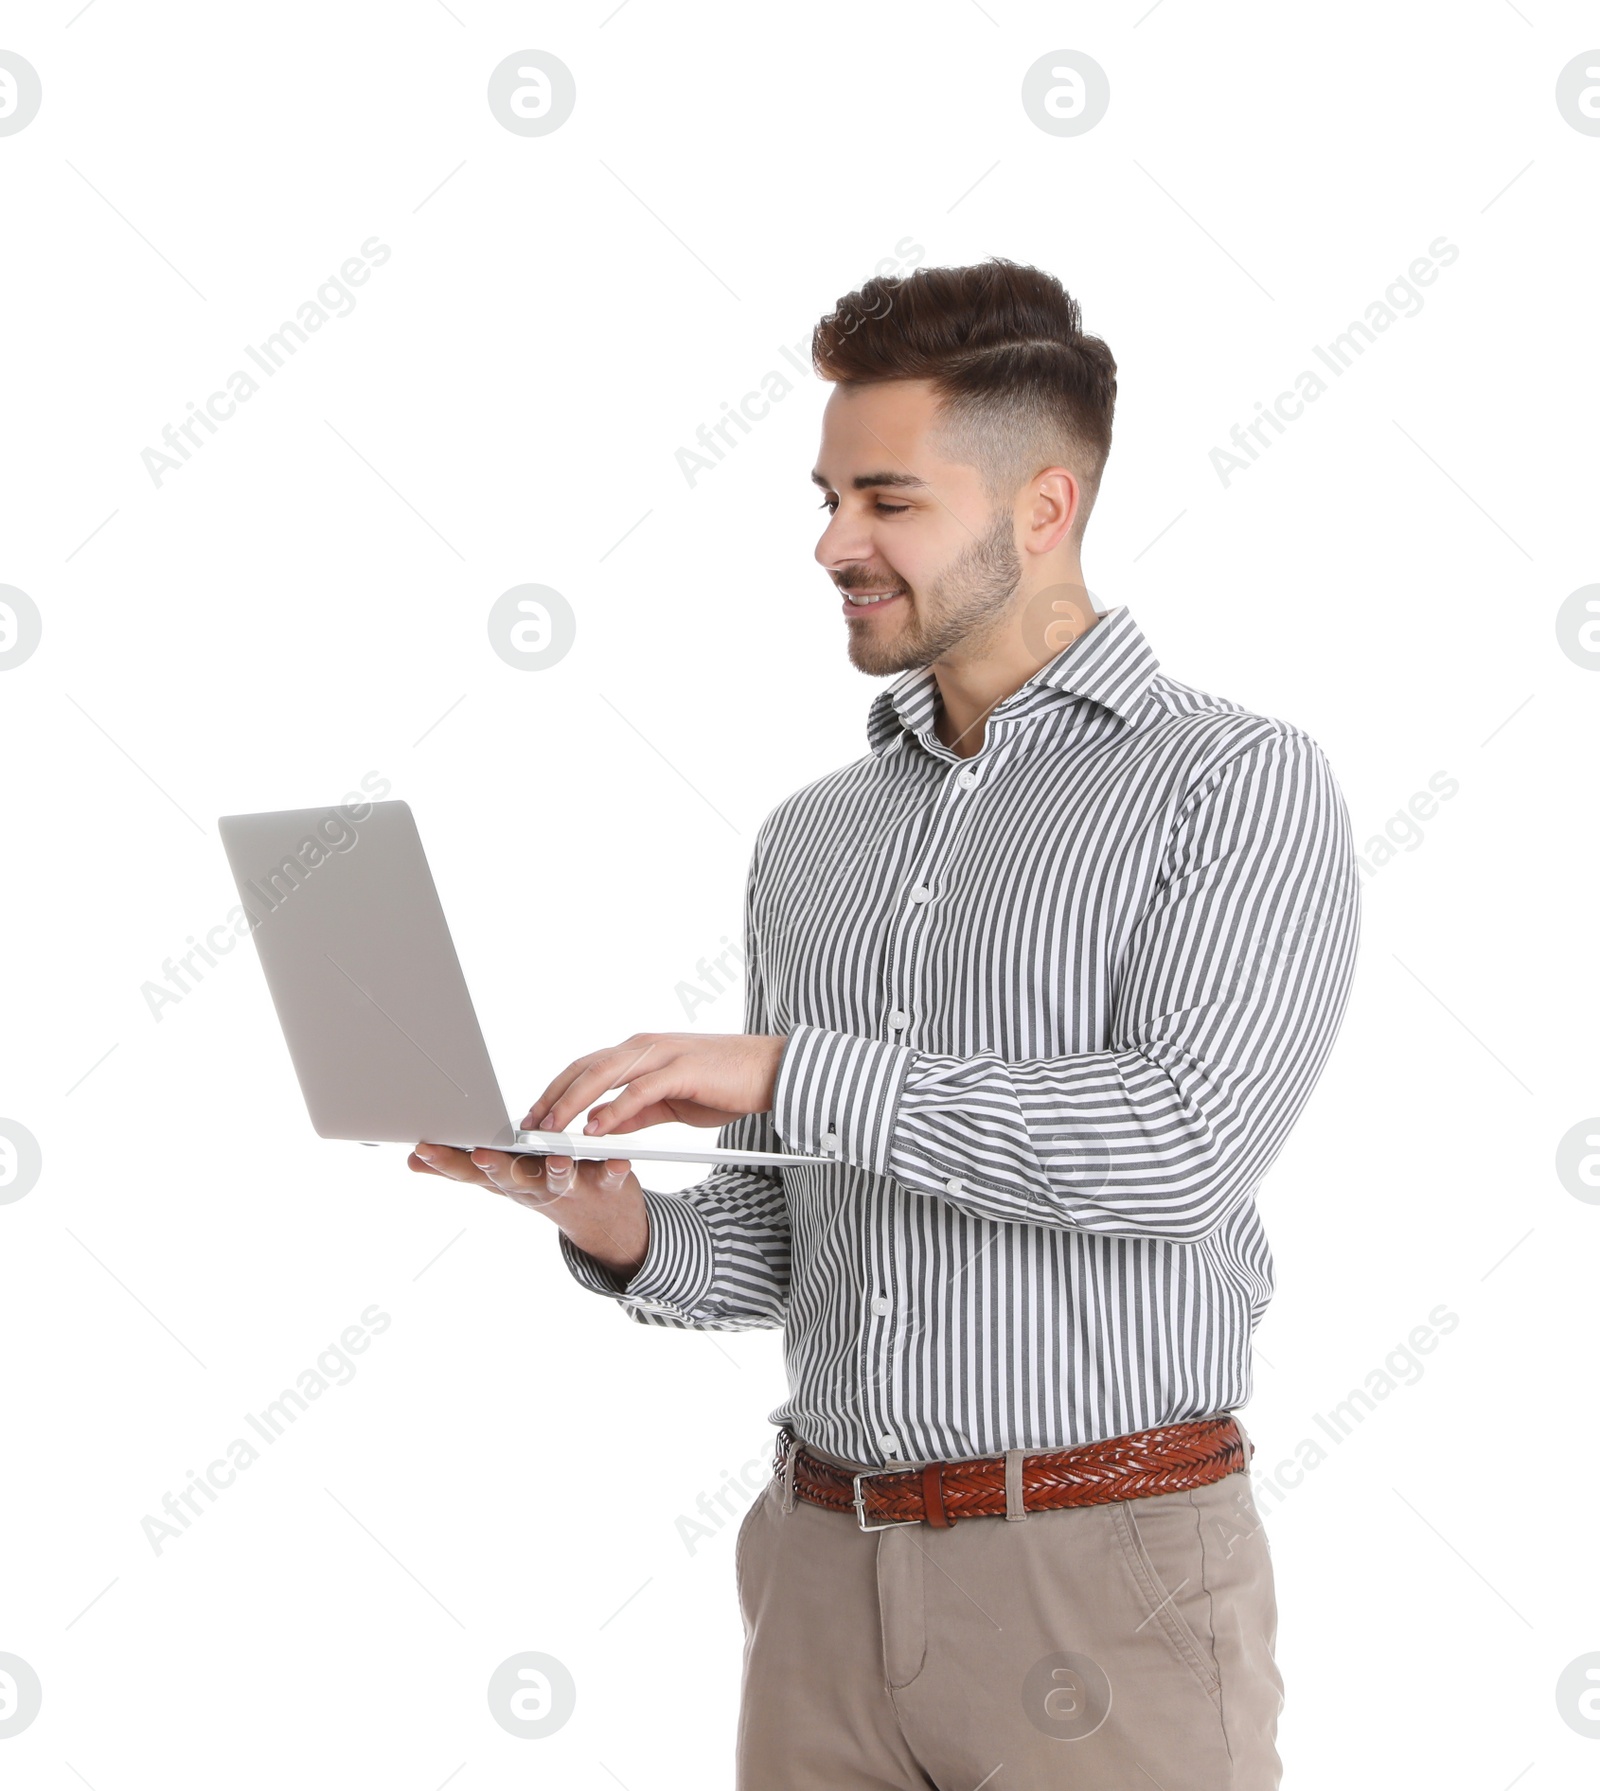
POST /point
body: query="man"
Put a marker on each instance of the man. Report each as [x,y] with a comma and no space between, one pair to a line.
[1047,974]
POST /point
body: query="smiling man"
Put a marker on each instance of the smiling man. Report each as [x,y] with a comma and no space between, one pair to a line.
[1047,975]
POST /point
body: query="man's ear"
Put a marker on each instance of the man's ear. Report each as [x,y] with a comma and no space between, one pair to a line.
[1054,499]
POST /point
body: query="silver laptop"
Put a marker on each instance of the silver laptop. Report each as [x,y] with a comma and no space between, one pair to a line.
[369,991]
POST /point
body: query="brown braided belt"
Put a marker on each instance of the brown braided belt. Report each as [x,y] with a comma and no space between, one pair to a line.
[1169,1458]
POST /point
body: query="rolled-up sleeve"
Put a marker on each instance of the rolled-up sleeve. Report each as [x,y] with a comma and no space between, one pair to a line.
[1226,1001]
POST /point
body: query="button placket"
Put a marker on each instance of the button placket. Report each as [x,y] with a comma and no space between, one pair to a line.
[899,972]
[961,778]
[941,828]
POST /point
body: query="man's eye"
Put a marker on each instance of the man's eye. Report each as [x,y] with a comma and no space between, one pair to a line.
[830,504]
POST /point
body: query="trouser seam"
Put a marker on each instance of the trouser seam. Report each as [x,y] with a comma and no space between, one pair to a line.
[1211,1622]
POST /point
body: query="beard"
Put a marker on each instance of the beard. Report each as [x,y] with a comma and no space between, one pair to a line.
[964,606]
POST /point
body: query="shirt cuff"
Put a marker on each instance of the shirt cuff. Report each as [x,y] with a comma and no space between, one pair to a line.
[837,1095]
[675,1275]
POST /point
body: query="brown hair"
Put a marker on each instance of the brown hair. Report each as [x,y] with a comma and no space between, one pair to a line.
[1021,385]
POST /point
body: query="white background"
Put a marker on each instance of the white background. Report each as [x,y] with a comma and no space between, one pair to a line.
[305,599]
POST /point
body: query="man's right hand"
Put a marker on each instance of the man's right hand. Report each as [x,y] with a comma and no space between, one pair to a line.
[598,1203]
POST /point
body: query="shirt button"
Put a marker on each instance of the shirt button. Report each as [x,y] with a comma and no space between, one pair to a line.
[898,1018]
[920,893]
[880,1303]
[966,779]
[954,1185]
[891,1443]
[831,1140]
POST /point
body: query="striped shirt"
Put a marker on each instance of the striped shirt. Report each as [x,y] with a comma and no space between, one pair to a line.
[1050,1013]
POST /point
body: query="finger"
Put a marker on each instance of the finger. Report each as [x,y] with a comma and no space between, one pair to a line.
[601,1072]
[658,1113]
[577,1096]
[588,1177]
[505,1171]
[513,1171]
[522,1178]
[442,1159]
[641,1094]
[554,1089]
[560,1178]
[645,1091]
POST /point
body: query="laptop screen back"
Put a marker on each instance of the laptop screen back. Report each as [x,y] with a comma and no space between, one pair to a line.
[364,976]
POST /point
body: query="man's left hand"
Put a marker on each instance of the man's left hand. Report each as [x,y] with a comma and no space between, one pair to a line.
[694,1078]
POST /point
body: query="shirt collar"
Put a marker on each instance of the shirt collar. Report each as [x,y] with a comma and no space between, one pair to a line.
[1111,665]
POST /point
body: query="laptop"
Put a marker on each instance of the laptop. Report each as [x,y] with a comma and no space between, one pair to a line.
[369,992]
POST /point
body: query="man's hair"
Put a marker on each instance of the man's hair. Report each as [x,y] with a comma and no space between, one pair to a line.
[1021,386]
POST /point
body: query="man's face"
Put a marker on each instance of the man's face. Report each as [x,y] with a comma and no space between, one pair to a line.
[908,528]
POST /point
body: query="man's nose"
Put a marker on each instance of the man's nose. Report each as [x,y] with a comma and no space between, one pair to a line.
[843,542]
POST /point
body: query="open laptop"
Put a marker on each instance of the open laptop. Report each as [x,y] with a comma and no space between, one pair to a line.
[369,991]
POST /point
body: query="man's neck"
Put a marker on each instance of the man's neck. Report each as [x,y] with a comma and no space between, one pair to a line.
[968,690]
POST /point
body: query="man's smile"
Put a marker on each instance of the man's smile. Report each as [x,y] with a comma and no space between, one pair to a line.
[857,603]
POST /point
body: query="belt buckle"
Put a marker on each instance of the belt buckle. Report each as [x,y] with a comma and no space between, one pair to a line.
[898,1523]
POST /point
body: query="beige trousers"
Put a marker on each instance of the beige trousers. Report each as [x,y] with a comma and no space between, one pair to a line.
[1122,1647]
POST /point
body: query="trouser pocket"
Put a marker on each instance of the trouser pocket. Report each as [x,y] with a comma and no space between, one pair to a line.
[1165,1551]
